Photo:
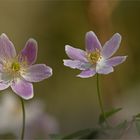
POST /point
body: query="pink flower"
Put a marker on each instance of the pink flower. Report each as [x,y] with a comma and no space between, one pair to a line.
[18,71]
[96,59]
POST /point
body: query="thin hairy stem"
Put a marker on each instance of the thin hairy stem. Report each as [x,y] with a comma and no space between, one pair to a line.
[23,119]
[99,98]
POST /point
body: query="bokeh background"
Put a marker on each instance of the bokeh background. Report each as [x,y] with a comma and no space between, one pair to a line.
[54,23]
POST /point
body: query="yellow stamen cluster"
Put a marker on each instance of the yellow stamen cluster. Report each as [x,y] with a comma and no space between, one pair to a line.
[93,57]
[15,66]
[12,68]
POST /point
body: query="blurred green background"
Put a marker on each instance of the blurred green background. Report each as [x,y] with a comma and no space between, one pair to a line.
[55,23]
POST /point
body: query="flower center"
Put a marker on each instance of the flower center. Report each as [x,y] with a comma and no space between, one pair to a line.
[93,57]
[15,66]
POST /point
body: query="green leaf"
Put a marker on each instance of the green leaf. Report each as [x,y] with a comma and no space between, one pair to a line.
[83,134]
[91,135]
[120,129]
[137,122]
[108,114]
[113,132]
[137,116]
[55,136]
[122,125]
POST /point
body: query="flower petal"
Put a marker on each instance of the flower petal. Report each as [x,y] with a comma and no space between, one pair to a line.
[104,70]
[7,49]
[92,42]
[23,88]
[87,73]
[76,54]
[114,61]
[5,77]
[111,46]
[29,52]
[4,85]
[76,64]
[37,72]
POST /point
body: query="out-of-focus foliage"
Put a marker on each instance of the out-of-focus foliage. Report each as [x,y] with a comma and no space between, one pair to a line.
[55,23]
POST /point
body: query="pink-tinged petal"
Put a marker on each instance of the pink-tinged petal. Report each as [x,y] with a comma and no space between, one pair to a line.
[23,88]
[92,42]
[29,52]
[4,85]
[37,73]
[114,61]
[104,70]
[76,54]
[111,46]
[87,73]
[7,49]
[76,64]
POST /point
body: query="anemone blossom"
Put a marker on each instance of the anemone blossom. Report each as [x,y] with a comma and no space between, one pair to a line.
[96,59]
[18,71]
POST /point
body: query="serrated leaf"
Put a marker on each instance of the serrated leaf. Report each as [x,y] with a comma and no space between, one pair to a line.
[86,134]
[108,114]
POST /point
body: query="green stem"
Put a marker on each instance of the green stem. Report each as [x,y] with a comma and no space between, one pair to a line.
[23,119]
[99,98]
